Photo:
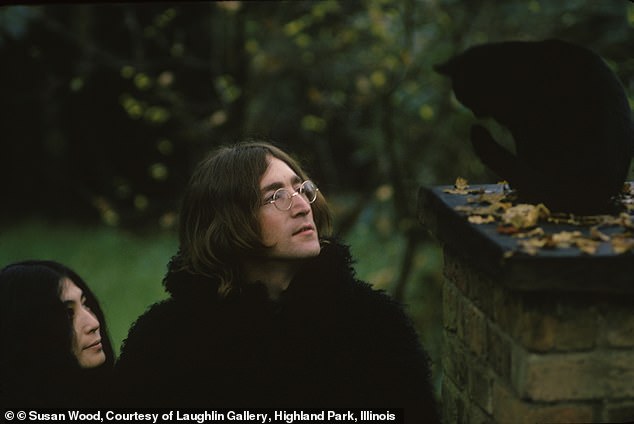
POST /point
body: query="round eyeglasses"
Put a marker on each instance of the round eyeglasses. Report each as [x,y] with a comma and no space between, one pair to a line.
[283,199]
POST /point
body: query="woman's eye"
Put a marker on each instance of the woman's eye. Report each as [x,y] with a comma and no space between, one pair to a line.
[85,306]
[70,312]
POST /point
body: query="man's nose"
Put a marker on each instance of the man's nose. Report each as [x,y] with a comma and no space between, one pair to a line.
[300,204]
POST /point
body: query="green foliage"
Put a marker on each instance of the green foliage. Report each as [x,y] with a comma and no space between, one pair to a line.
[348,86]
[378,248]
[106,108]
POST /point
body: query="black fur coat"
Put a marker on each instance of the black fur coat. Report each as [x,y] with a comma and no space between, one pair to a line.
[330,341]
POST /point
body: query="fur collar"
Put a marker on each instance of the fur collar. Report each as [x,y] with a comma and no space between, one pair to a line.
[332,270]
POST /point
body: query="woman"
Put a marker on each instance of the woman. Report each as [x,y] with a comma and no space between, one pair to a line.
[265,310]
[54,346]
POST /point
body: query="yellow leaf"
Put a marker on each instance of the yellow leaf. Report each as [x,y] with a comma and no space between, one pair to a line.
[535,232]
[461,183]
[461,186]
[595,234]
[622,243]
[478,219]
[525,215]
[532,245]
[565,238]
[587,245]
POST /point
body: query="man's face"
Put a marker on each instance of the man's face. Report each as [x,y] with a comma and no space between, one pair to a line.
[290,234]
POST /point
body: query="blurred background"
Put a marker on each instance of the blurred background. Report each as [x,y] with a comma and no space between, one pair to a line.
[106,108]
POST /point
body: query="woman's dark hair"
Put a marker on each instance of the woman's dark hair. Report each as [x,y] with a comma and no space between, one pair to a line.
[218,225]
[37,366]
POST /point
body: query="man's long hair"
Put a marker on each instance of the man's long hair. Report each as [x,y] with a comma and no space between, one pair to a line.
[218,225]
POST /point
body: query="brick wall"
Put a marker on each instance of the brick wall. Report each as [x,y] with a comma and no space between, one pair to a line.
[530,357]
[537,355]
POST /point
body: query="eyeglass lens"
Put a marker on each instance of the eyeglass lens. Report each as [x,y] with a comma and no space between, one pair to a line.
[283,199]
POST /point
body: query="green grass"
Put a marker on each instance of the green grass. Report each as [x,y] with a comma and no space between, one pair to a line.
[124,270]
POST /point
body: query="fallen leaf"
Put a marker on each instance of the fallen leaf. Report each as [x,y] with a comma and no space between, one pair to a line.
[587,245]
[532,245]
[461,183]
[565,239]
[492,199]
[479,219]
[507,229]
[479,210]
[595,234]
[535,232]
[525,215]
[521,221]
[622,243]
[461,186]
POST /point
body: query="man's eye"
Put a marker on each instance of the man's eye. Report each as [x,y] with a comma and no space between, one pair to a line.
[280,194]
[70,312]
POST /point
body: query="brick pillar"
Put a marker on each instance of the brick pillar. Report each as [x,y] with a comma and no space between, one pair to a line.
[546,338]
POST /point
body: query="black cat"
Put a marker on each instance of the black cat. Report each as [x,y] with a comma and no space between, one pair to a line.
[567,112]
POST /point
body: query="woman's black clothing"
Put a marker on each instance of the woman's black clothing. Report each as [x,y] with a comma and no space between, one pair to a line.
[329,341]
[63,387]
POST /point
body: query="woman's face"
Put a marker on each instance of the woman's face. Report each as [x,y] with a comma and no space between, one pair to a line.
[86,344]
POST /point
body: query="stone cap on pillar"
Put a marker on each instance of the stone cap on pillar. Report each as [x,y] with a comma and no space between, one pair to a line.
[489,245]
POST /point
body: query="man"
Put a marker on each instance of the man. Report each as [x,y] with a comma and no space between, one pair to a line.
[265,310]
